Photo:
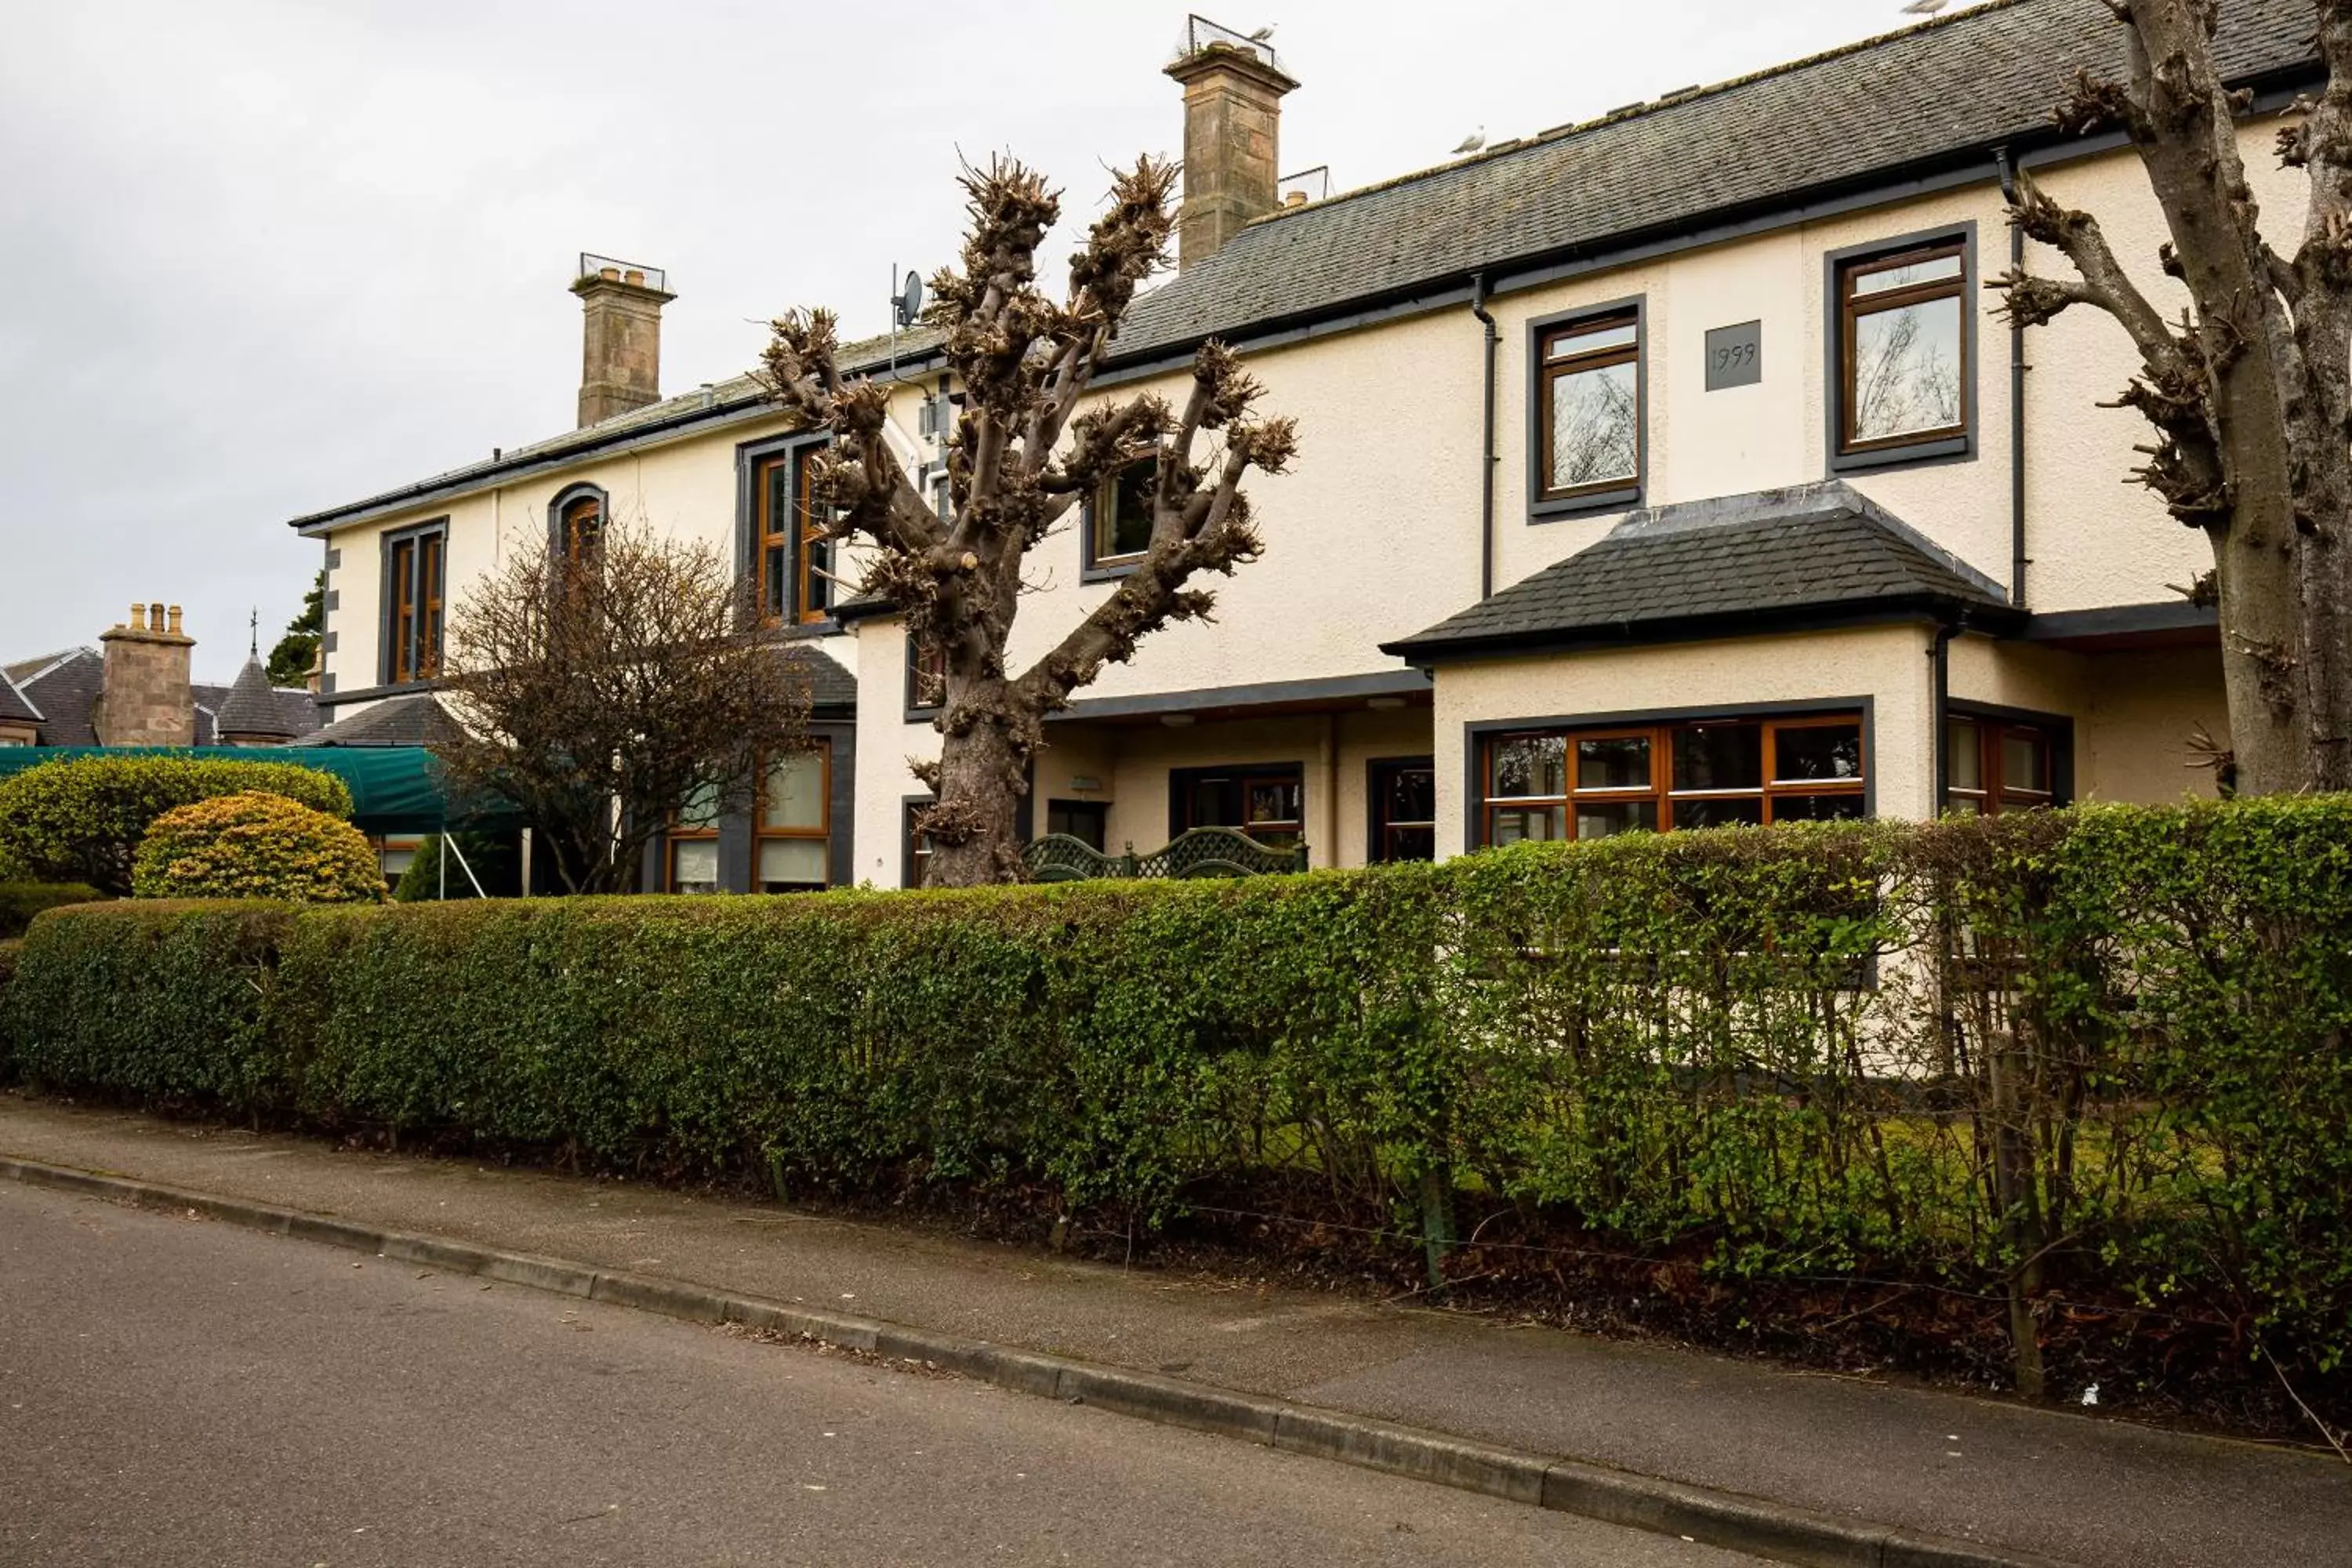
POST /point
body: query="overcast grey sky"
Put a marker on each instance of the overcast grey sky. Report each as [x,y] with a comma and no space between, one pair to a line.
[269,256]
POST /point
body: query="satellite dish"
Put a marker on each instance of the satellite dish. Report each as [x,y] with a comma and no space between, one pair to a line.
[907,304]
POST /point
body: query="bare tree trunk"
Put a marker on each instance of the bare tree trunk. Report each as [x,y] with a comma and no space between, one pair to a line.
[981,780]
[2254,574]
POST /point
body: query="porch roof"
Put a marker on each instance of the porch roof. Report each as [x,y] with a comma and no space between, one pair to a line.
[1777,559]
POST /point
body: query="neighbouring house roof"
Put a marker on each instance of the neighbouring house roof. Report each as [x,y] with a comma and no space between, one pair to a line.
[1719,567]
[832,687]
[1941,94]
[64,687]
[418,719]
[16,708]
[252,710]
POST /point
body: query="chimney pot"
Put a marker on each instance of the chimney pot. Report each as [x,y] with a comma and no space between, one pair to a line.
[154,617]
[608,272]
[175,626]
[1232,120]
[1295,199]
[634,278]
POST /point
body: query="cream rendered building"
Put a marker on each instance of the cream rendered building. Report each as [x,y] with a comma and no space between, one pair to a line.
[1669,469]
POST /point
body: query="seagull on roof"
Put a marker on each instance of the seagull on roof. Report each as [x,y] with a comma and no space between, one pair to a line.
[1925,7]
[1472,142]
[1265,34]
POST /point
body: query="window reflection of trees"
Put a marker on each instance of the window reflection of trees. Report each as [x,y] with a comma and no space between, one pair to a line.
[1595,430]
[1906,370]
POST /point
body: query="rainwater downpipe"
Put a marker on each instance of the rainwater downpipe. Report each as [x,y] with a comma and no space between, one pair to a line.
[1940,695]
[1485,444]
[2017,559]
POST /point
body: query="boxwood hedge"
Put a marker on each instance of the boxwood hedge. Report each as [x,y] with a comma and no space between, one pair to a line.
[2096,1055]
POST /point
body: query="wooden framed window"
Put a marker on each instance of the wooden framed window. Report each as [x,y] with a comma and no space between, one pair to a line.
[792,558]
[1993,766]
[1266,800]
[1588,408]
[813,583]
[791,837]
[415,566]
[1118,522]
[927,675]
[1404,809]
[690,853]
[581,527]
[1716,773]
[917,857]
[1904,369]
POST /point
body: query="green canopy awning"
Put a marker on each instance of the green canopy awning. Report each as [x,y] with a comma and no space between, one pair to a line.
[395,789]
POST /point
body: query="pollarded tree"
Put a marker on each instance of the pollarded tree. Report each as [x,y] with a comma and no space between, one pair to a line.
[1023,455]
[2250,393]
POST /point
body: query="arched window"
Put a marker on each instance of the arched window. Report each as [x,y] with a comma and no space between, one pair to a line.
[576,519]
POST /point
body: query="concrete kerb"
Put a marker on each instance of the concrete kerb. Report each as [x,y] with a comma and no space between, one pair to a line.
[1759,1528]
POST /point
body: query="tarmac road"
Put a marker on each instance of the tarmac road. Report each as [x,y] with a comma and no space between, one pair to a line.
[176,1392]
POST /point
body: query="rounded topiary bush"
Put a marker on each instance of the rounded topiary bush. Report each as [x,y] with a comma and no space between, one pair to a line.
[255,846]
[81,819]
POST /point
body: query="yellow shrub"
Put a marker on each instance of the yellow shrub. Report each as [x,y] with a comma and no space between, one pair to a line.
[255,846]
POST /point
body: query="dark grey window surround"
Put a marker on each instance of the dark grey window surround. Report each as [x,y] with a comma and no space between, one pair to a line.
[1089,569]
[389,601]
[1180,781]
[1628,496]
[1474,737]
[748,455]
[563,499]
[1961,449]
[2058,727]
[737,843]
[916,712]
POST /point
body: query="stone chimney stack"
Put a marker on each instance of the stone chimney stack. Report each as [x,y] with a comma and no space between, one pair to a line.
[620,360]
[1232,112]
[145,699]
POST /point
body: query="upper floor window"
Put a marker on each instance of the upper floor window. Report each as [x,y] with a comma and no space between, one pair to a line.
[1588,409]
[580,524]
[927,674]
[792,556]
[1590,784]
[793,833]
[1118,516]
[415,566]
[1902,350]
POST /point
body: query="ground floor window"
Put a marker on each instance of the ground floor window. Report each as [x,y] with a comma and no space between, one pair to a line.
[691,850]
[395,853]
[918,844]
[1992,765]
[792,829]
[1712,772]
[1404,809]
[1266,800]
[1084,820]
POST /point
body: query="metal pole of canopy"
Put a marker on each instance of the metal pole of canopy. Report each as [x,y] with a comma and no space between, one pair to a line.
[450,843]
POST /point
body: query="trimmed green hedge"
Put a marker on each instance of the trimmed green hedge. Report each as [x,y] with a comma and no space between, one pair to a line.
[2098,1055]
[80,819]
[20,901]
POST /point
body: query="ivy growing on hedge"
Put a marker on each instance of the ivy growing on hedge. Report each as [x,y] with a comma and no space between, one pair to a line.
[2098,1055]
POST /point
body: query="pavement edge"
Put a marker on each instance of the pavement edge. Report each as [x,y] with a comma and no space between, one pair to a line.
[1777,1531]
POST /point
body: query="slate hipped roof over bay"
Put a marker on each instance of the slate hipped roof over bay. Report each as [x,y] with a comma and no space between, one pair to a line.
[1773,557]
[1934,99]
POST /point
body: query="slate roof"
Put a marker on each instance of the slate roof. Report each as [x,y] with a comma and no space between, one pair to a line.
[15,706]
[65,686]
[414,720]
[1937,95]
[831,685]
[251,709]
[737,396]
[1709,567]
[1947,90]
